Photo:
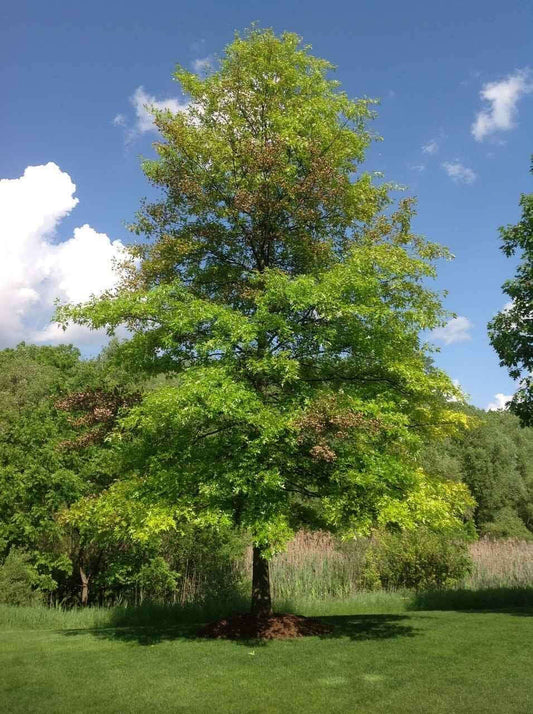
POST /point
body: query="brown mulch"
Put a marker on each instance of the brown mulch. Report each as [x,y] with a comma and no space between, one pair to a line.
[274,627]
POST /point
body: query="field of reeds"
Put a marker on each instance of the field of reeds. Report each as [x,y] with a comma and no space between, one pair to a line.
[501,563]
[317,566]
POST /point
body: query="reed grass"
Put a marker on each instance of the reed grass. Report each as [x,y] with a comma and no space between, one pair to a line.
[318,567]
[500,564]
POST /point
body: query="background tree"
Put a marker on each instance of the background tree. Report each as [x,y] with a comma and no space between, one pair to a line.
[287,305]
[511,331]
[37,479]
[39,475]
[495,459]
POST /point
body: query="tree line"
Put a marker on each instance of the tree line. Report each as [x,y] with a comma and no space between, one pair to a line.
[46,470]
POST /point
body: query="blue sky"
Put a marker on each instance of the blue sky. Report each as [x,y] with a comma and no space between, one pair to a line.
[73,77]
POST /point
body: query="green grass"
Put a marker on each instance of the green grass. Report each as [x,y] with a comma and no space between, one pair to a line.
[384,656]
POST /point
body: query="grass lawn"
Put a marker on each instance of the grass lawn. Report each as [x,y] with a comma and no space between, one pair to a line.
[383,657]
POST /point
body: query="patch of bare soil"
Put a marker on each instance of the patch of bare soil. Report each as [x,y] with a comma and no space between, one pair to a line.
[274,627]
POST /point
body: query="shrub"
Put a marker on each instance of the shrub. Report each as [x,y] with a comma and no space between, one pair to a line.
[418,559]
[157,580]
[19,580]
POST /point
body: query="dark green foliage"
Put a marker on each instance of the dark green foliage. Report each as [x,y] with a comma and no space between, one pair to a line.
[193,566]
[511,331]
[43,471]
[507,524]
[495,459]
[418,559]
[157,581]
[19,580]
[38,476]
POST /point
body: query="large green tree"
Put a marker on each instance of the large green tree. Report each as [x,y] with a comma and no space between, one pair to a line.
[511,331]
[285,296]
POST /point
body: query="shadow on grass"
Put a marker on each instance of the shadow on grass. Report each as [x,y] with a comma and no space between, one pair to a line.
[368,627]
[354,627]
[515,601]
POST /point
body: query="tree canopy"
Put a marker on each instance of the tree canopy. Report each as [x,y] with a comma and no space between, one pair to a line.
[495,459]
[511,331]
[282,296]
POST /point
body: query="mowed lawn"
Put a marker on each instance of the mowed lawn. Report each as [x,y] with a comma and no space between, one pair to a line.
[422,661]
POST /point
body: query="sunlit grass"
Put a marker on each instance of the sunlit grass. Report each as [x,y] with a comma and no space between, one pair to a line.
[383,656]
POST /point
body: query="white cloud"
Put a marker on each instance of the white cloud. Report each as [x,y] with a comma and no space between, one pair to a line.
[419,168]
[456,330]
[74,334]
[143,122]
[431,147]
[35,268]
[83,265]
[502,98]
[500,402]
[202,64]
[458,172]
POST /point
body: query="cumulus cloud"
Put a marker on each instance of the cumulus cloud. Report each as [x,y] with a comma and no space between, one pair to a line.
[501,100]
[500,402]
[431,147]
[458,172]
[456,330]
[35,268]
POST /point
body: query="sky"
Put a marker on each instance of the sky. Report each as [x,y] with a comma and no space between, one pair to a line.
[455,82]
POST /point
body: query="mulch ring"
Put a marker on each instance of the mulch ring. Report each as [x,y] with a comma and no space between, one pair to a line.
[274,627]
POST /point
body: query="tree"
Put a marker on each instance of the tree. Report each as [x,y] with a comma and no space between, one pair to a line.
[39,475]
[284,297]
[495,460]
[38,479]
[511,331]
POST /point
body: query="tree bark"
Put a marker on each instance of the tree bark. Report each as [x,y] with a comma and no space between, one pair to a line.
[84,587]
[261,599]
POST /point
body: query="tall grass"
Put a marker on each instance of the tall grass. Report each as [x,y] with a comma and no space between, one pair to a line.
[316,575]
[500,564]
[182,617]
[41,617]
[318,567]
[316,570]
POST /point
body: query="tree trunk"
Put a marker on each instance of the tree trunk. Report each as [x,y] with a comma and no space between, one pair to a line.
[84,587]
[261,600]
